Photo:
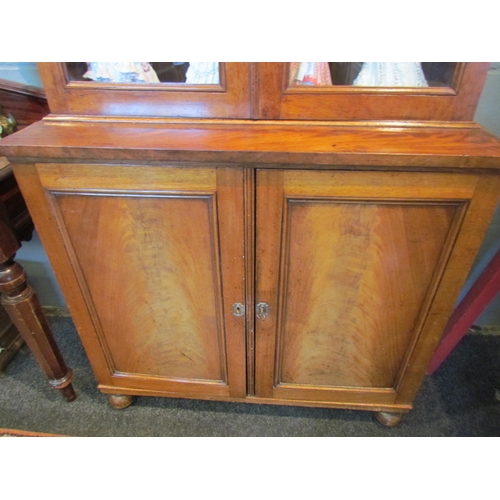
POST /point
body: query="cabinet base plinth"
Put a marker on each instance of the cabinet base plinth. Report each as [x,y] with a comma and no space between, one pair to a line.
[377,406]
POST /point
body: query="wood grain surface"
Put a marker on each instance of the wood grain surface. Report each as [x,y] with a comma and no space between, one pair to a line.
[145,244]
[348,263]
[353,214]
[379,146]
[458,102]
[25,103]
[231,99]
[355,276]
[165,321]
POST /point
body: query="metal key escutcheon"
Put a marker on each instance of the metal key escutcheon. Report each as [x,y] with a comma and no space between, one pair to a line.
[238,309]
[262,310]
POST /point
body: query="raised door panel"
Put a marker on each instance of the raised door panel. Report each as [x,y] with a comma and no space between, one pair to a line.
[152,276]
[349,264]
[148,246]
[355,276]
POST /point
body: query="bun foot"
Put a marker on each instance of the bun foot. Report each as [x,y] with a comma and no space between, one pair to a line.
[119,401]
[389,419]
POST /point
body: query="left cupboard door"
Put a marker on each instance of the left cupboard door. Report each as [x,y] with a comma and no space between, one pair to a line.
[157,257]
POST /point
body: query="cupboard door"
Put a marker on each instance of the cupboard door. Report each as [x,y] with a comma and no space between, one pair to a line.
[351,266]
[157,254]
[452,93]
[70,92]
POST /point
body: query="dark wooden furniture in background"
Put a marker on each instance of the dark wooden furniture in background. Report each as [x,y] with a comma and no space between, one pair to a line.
[21,315]
[10,338]
[291,258]
[26,103]
[18,298]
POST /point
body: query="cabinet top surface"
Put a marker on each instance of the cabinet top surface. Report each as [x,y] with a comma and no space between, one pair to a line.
[246,142]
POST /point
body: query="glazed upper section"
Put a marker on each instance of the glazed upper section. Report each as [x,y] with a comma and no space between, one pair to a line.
[331,91]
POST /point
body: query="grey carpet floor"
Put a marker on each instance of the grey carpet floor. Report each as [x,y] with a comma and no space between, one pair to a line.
[458,400]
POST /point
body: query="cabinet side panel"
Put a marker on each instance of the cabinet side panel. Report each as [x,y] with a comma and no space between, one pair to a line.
[27,176]
[151,269]
[355,279]
[475,224]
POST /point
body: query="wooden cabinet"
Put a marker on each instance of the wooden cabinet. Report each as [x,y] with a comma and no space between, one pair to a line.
[302,263]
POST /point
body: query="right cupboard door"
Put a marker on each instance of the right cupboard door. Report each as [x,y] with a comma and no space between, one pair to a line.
[359,271]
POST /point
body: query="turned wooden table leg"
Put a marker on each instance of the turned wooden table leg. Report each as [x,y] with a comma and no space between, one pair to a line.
[23,307]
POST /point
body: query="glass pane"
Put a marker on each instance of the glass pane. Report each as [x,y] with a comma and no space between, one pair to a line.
[372,74]
[190,73]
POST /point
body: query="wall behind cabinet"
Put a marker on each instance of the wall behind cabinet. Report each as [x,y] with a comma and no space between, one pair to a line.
[488,115]
[21,72]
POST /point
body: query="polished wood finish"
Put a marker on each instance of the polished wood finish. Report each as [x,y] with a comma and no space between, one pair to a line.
[408,219]
[388,146]
[26,103]
[249,253]
[15,225]
[231,99]
[23,307]
[27,321]
[180,232]
[457,102]
[356,235]
[360,255]
[10,339]
[12,204]
[425,212]
[480,210]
